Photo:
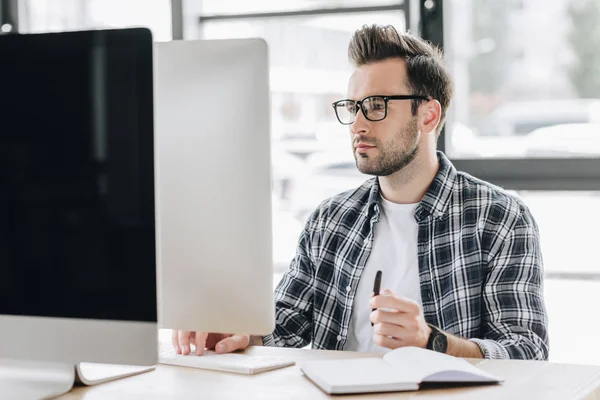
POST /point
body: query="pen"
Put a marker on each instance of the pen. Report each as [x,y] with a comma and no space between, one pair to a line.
[376,287]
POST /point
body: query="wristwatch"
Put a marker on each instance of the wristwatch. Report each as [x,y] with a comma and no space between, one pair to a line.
[437,340]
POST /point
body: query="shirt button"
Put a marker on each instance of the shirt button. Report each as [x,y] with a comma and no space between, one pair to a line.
[348,288]
[339,337]
[427,294]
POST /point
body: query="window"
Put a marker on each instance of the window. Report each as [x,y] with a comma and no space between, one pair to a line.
[568,234]
[521,68]
[59,15]
[572,323]
[572,287]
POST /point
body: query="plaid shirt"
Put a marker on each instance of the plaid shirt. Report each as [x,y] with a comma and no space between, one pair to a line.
[480,268]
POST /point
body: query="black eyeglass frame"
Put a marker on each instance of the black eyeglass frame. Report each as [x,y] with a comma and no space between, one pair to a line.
[386,99]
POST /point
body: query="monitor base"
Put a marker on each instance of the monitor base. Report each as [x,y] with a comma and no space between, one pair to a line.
[24,380]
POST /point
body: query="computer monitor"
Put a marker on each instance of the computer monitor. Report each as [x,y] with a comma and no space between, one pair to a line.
[77,227]
[214,186]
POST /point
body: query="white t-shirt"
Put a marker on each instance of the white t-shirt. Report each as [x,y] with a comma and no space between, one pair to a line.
[395,253]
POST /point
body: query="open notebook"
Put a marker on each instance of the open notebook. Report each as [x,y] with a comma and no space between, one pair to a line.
[402,369]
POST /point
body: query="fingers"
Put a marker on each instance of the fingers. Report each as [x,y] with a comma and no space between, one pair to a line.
[233,343]
[394,331]
[200,342]
[407,321]
[225,343]
[214,338]
[388,343]
[389,300]
[385,317]
[175,340]
[184,341]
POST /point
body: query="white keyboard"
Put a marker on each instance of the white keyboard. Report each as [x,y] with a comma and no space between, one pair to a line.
[237,363]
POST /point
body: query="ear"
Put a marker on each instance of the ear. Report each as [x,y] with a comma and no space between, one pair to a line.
[429,116]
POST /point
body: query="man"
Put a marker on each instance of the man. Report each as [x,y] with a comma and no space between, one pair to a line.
[460,258]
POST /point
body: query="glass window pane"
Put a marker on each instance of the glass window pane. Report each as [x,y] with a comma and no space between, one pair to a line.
[569,239]
[36,16]
[572,309]
[526,78]
[312,154]
[211,7]
[567,223]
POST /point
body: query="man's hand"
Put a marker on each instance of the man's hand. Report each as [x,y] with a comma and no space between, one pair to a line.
[401,324]
[222,343]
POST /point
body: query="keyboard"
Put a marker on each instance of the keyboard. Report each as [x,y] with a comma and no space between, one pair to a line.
[231,362]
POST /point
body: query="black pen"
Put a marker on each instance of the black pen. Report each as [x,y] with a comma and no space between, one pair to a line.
[376,287]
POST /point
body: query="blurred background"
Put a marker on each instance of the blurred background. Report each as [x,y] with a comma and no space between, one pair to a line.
[526,114]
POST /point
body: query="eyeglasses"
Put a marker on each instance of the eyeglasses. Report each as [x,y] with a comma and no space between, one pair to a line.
[374,108]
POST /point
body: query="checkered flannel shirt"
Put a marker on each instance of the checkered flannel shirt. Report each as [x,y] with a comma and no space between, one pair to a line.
[480,268]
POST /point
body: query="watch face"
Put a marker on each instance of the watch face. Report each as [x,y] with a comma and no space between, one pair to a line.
[440,343]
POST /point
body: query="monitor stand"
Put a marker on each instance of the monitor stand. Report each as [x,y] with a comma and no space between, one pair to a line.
[42,380]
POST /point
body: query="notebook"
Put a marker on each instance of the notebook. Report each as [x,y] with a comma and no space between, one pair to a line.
[231,362]
[403,369]
[93,373]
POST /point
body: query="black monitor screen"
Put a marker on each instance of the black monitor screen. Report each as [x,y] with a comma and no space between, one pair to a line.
[77,175]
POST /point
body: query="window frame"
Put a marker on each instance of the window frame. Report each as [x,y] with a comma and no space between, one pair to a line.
[401,6]
[9,14]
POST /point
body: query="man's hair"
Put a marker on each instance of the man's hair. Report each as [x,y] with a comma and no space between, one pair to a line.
[425,65]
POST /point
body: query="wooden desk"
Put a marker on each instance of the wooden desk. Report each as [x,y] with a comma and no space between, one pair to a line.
[524,380]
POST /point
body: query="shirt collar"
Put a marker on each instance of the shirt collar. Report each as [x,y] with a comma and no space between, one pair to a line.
[435,202]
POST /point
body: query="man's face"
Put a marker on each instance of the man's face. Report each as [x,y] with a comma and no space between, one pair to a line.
[383,147]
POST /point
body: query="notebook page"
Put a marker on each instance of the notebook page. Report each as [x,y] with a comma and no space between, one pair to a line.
[440,367]
[361,372]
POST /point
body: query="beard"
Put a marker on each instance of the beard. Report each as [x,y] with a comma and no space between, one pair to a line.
[393,156]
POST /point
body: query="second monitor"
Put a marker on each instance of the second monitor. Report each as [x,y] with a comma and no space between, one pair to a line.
[214,186]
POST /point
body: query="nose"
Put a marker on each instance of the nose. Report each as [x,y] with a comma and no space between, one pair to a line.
[360,126]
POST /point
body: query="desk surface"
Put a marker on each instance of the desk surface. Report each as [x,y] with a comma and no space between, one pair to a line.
[524,379]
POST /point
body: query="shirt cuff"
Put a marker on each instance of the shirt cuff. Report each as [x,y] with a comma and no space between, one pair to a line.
[269,341]
[491,349]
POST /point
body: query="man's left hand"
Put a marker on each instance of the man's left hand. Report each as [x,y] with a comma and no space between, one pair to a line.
[400,324]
